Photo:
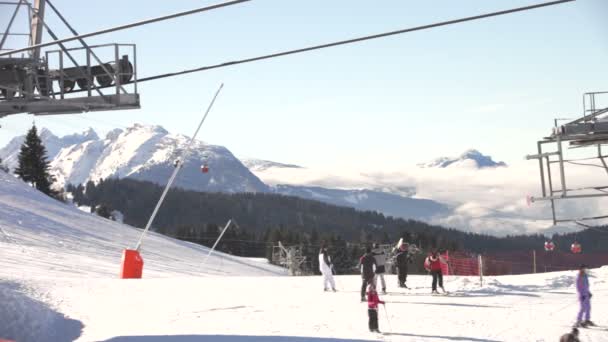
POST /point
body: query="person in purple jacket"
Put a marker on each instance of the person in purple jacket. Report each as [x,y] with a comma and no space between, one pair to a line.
[584,296]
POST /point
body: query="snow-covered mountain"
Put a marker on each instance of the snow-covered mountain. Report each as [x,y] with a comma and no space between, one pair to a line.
[470,158]
[256,165]
[387,203]
[149,152]
[141,152]
[53,144]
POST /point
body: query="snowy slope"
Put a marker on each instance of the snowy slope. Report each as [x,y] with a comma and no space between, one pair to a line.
[187,309]
[470,158]
[41,237]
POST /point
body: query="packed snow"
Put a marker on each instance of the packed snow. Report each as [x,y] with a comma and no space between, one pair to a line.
[59,282]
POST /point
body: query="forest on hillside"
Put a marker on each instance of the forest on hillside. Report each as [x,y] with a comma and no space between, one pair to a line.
[264,219]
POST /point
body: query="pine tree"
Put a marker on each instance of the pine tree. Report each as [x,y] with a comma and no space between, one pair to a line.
[33,166]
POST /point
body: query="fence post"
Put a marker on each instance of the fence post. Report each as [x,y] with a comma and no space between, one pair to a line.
[480,265]
[534,258]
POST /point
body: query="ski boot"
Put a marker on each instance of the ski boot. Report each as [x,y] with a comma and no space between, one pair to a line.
[588,323]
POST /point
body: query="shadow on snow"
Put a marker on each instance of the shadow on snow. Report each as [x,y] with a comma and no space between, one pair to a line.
[226,338]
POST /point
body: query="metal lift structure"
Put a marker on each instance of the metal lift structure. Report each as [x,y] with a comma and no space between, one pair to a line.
[44,83]
[588,135]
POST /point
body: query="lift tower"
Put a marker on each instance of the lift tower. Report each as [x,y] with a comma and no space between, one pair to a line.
[44,82]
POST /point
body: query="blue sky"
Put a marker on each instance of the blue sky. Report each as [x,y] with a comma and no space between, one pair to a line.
[494,84]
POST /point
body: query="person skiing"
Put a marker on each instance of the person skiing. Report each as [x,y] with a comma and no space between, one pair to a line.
[403,258]
[380,256]
[372,308]
[367,263]
[570,337]
[584,296]
[325,266]
[434,261]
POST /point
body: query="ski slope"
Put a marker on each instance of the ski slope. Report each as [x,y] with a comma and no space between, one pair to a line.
[58,282]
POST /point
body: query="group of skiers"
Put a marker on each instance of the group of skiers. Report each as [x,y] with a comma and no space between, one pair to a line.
[373,267]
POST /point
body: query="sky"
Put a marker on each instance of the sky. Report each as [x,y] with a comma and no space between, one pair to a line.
[495,85]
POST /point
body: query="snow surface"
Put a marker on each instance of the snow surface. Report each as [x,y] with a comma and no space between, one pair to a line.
[58,282]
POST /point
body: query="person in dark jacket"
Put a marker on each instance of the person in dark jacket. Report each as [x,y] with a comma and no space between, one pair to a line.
[402,259]
[367,263]
[571,337]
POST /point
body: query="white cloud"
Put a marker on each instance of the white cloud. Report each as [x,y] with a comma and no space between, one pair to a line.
[491,200]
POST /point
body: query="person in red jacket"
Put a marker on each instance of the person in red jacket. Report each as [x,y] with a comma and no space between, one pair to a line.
[434,261]
[372,308]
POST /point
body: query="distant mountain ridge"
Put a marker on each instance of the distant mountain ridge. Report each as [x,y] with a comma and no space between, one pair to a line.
[470,157]
[148,153]
[262,165]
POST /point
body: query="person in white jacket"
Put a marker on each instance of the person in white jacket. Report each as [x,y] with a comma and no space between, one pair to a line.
[325,266]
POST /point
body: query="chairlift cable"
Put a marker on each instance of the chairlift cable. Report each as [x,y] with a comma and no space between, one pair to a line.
[355,40]
[127,26]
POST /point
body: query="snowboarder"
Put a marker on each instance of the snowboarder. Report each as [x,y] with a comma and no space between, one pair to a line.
[584,296]
[434,261]
[570,337]
[367,263]
[325,266]
[402,259]
[372,308]
[380,256]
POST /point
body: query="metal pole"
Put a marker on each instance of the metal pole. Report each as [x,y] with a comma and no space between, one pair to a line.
[181,159]
[542,171]
[36,29]
[551,190]
[534,258]
[480,262]
[217,241]
[561,165]
[122,27]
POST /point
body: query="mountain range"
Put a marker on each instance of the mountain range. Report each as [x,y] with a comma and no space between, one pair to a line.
[470,158]
[149,153]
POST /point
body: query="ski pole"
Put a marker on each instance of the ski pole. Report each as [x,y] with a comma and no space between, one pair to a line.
[390,327]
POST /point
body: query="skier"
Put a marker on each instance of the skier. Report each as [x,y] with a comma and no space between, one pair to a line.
[372,308]
[403,258]
[325,266]
[367,263]
[380,257]
[434,261]
[584,296]
[571,337]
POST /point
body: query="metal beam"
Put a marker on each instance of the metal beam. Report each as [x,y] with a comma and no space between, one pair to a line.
[10,23]
[37,26]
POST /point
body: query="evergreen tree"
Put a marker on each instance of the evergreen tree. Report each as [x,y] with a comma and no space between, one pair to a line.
[33,167]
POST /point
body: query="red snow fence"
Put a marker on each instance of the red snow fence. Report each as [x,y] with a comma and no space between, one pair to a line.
[132,265]
[1,340]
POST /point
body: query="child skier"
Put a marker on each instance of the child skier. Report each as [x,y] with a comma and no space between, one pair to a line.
[584,296]
[372,308]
